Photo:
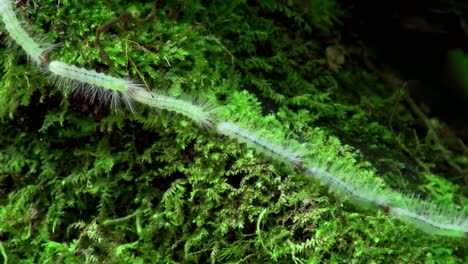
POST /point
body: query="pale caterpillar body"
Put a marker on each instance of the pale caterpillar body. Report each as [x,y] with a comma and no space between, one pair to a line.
[93,85]
[364,194]
[431,219]
[279,152]
[419,213]
[107,88]
[34,50]
[198,113]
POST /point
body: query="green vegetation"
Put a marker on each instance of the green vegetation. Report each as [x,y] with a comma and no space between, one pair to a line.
[82,183]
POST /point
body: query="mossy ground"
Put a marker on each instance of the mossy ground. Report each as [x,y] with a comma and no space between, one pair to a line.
[72,172]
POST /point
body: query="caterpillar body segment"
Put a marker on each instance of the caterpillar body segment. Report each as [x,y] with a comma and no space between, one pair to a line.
[431,218]
[421,214]
[93,85]
[201,114]
[283,153]
[368,195]
[36,51]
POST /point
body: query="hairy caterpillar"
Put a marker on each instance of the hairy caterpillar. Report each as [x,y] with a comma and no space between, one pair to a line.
[429,218]
[365,194]
[35,51]
[198,113]
[282,153]
[411,210]
[94,85]
[106,88]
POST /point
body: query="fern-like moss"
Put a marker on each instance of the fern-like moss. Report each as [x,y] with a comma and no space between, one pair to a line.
[70,167]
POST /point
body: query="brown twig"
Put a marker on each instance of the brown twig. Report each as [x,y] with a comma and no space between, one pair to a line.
[394,85]
[124,17]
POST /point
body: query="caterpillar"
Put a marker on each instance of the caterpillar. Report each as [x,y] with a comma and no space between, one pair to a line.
[365,194]
[412,210]
[430,218]
[201,113]
[105,88]
[35,51]
[93,85]
[282,153]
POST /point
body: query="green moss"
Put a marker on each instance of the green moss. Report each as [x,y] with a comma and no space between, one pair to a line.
[181,194]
